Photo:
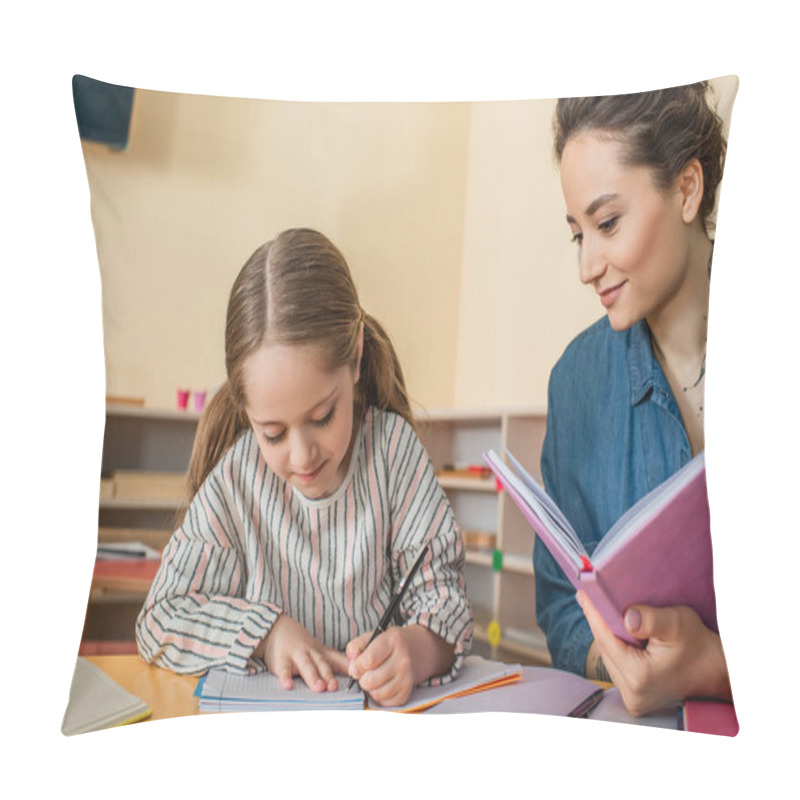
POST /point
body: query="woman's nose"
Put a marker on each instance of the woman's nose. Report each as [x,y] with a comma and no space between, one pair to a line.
[591,262]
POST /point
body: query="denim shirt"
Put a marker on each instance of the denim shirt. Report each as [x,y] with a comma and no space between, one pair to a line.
[614,433]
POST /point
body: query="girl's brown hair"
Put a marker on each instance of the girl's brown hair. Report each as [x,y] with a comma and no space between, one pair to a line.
[296,289]
[663,130]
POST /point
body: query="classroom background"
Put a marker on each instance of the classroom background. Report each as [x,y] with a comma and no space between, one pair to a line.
[452,220]
[450,216]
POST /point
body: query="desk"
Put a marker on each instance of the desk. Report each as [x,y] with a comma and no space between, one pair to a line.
[171,695]
[168,694]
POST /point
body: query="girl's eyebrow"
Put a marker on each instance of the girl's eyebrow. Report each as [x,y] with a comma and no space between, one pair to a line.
[598,202]
[322,402]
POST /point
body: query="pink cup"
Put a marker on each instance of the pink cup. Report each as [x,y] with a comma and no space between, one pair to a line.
[199,401]
[183,399]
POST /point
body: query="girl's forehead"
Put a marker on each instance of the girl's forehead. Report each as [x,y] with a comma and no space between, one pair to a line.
[286,356]
[282,382]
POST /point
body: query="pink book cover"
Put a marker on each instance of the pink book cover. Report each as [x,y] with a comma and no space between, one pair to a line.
[658,552]
[710,716]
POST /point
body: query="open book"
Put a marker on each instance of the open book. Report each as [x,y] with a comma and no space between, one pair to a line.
[658,552]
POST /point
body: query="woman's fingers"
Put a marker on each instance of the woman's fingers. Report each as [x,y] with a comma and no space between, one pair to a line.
[647,622]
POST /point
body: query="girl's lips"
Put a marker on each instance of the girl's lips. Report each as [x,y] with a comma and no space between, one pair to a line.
[608,296]
[308,477]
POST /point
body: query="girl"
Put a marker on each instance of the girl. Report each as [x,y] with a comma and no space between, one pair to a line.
[639,175]
[311,497]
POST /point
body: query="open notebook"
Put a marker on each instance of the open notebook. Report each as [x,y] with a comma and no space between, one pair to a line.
[223,691]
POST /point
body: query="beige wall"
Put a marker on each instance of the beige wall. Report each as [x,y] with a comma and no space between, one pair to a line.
[521,301]
[207,180]
[450,215]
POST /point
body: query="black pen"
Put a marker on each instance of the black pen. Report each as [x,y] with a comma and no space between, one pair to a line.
[584,708]
[396,598]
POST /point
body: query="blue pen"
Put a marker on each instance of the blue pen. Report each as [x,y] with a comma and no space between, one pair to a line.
[396,598]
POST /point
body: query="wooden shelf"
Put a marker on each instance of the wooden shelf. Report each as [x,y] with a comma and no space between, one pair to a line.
[530,645]
[140,444]
[147,413]
[517,563]
[504,596]
[144,503]
[480,557]
[468,484]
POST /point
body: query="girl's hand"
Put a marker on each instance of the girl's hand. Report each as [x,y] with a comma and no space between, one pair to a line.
[397,661]
[289,650]
[683,658]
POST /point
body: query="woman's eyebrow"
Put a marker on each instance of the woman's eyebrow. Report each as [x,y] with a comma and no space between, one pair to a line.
[598,202]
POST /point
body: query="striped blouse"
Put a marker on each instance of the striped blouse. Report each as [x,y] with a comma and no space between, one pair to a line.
[252,547]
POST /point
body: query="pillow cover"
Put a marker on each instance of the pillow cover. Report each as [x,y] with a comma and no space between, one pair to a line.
[453,210]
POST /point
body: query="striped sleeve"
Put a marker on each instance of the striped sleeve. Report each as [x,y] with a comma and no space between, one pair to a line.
[195,616]
[437,597]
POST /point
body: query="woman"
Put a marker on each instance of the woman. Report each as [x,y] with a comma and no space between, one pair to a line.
[639,175]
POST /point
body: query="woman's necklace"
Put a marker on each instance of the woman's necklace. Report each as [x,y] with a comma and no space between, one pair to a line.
[690,387]
[699,377]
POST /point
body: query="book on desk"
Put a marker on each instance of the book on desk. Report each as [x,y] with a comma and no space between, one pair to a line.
[97,702]
[219,690]
[481,686]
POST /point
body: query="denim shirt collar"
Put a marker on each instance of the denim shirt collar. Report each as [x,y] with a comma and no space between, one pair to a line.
[644,370]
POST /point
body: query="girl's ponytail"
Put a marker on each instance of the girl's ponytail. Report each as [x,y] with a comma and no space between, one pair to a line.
[221,424]
[381,382]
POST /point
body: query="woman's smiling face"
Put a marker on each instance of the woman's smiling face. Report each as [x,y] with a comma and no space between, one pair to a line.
[632,235]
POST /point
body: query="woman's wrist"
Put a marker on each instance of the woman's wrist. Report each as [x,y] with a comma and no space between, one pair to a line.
[712,679]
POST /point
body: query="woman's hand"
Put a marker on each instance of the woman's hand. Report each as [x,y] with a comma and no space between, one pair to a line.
[397,661]
[683,658]
[289,650]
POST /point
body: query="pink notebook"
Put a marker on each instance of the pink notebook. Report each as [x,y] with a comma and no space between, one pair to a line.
[658,552]
[710,716]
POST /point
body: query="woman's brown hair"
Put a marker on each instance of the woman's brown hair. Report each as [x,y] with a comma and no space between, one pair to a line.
[663,130]
[296,290]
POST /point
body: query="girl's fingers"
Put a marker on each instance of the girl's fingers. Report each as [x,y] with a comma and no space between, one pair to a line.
[338,661]
[376,654]
[309,672]
[284,674]
[325,670]
[392,692]
[357,646]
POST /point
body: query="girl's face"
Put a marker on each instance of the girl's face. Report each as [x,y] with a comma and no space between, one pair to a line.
[302,416]
[633,239]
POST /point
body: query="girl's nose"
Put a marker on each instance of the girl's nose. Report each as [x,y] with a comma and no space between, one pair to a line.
[303,451]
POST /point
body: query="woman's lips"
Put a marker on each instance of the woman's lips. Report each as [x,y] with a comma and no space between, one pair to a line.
[608,296]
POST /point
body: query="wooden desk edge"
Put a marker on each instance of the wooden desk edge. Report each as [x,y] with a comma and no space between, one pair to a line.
[168,695]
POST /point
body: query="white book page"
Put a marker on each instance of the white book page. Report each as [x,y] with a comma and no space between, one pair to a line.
[635,518]
[265,687]
[540,504]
